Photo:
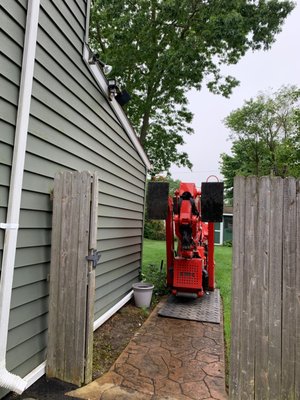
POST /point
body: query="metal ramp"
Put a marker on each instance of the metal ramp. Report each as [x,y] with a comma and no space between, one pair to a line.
[203,309]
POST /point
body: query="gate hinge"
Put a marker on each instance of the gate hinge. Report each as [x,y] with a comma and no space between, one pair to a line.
[94,257]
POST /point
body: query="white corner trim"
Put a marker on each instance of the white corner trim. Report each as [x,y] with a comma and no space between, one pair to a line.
[102,82]
[36,374]
[112,310]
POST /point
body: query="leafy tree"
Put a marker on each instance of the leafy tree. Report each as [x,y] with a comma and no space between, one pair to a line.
[159,49]
[266,137]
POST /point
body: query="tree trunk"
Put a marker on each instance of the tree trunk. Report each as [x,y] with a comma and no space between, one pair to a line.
[145,126]
[146,116]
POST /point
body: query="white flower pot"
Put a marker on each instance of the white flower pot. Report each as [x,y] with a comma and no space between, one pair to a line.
[142,292]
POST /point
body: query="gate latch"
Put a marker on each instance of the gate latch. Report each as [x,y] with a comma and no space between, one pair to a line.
[94,257]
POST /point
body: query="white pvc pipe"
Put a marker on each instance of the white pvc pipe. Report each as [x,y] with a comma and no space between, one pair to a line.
[8,380]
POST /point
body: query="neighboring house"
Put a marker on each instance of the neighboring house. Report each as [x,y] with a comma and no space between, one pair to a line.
[223,230]
[72,126]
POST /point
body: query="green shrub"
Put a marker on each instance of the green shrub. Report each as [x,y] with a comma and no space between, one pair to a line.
[154,230]
[157,276]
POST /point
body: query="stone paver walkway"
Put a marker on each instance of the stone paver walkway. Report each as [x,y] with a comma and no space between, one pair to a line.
[166,359]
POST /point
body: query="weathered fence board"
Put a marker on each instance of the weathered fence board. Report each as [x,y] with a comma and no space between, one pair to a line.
[259,266]
[265,349]
[288,289]
[247,345]
[55,260]
[67,273]
[237,287]
[297,310]
[275,279]
[72,279]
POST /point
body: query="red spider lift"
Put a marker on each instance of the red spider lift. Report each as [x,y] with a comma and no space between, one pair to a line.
[190,216]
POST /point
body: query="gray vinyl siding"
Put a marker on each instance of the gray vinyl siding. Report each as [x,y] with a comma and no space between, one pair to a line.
[11,41]
[72,127]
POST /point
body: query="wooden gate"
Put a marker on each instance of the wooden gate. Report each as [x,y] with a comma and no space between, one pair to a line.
[72,277]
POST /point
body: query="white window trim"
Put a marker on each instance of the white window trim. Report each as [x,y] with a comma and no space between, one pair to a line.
[221,234]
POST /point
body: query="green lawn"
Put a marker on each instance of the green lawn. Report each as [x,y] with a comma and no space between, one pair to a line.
[223,260]
[154,251]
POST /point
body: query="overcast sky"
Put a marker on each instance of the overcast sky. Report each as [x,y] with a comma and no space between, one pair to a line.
[256,72]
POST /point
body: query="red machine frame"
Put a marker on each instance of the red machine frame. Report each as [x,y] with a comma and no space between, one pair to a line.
[191,268]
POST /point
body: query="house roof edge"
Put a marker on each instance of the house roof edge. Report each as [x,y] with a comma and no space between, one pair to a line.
[102,82]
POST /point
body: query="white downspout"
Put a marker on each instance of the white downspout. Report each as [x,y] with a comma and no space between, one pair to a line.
[8,380]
